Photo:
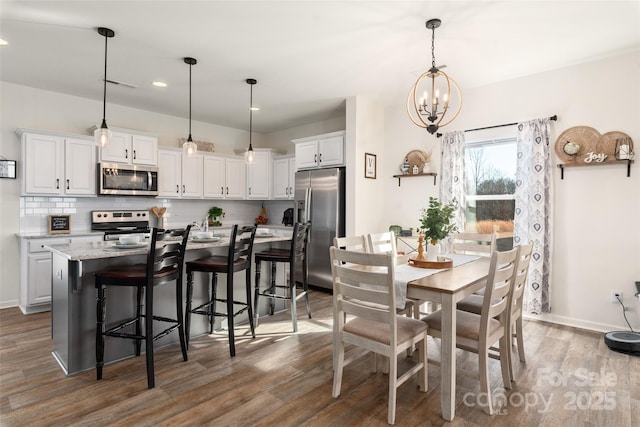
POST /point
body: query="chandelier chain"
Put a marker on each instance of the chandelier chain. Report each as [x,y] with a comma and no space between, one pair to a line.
[433,50]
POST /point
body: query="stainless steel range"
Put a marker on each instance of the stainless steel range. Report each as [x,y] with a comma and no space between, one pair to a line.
[116,223]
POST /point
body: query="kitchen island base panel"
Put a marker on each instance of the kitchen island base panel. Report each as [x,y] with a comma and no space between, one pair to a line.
[74,307]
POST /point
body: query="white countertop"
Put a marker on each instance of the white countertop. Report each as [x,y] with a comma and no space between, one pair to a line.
[40,235]
[97,250]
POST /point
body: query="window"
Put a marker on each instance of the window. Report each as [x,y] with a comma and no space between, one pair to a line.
[490,174]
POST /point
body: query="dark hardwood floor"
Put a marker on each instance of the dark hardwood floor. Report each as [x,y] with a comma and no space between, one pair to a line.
[570,379]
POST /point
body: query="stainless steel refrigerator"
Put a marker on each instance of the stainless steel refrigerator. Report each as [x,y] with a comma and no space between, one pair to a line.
[320,199]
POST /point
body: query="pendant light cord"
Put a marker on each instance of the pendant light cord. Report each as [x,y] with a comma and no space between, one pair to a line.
[104,93]
[190,66]
[250,117]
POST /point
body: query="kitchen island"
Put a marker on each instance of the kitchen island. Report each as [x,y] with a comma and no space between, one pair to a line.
[73,307]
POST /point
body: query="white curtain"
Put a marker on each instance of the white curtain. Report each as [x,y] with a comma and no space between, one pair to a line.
[452,175]
[533,210]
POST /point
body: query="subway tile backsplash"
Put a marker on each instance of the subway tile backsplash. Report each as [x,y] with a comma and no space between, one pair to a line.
[34,211]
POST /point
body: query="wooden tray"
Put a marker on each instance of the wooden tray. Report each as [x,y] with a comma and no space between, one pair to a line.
[441,263]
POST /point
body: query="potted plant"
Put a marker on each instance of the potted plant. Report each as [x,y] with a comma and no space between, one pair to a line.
[436,223]
[213,215]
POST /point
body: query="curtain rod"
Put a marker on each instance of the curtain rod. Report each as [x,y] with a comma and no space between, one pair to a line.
[553,118]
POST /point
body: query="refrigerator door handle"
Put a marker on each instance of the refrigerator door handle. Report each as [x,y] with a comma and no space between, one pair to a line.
[307,214]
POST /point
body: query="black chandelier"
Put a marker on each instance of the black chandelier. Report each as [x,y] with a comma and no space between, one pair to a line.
[429,104]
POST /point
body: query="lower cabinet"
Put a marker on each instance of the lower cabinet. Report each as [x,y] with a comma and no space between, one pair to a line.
[35,277]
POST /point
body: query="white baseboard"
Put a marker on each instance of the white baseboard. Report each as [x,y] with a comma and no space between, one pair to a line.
[8,304]
[576,323]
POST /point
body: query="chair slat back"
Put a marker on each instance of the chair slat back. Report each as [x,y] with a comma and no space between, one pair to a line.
[363,285]
[299,239]
[241,242]
[351,243]
[483,244]
[382,243]
[499,283]
[168,256]
[520,278]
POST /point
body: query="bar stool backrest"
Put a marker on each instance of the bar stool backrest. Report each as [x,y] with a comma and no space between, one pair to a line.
[299,240]
[241,246]
[167,259]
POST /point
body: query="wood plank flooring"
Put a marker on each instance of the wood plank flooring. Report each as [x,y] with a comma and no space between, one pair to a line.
[285,379]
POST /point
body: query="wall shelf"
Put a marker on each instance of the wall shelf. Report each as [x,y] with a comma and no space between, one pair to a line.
[433,174]
[565,165]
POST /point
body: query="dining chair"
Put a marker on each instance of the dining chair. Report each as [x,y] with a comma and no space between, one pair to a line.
[473,304]
[238,259]
[365,316]
[478,332]
[295,255]
[483,244]
[164,264]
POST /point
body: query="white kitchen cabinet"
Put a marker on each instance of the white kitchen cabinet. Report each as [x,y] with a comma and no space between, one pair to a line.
[35,277]
[259,175]
[131,148]
[284,170]
[224,177]
[58,164]
[192,178]
[179,176]
[320,151]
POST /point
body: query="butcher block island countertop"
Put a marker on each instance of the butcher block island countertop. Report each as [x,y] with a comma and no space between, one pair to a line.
[73,306]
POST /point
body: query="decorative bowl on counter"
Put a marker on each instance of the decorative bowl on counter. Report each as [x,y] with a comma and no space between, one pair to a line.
[202,234]
[129,240]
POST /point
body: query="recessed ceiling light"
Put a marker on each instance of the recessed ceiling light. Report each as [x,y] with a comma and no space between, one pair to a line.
[254,108]
[3,42]
[159,84]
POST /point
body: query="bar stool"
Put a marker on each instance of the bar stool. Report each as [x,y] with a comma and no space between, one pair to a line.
[237,259]
[164,264]
[294,256]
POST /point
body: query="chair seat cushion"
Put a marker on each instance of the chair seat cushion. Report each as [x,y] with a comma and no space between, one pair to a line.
[467,324]
[274,254]
[133,272]
[472,304]
[214,262]
[380,332]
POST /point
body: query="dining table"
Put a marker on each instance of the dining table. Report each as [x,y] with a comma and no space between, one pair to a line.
[446,288]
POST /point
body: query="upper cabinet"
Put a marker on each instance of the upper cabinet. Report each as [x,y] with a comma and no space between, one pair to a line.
[259,175]
[284,170]
[224,177]
[131,148]
[179,176]
[58,164]
[320,151]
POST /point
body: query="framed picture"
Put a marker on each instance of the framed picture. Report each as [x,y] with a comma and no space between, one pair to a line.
[8,169]
[369,165]
[59,224]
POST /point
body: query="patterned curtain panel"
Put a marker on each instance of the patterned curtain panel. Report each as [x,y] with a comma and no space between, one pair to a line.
[533,210]
[452,175]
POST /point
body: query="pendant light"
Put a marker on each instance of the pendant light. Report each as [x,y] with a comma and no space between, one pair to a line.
[248,155]
[103,134]
[189,148]
[430,101]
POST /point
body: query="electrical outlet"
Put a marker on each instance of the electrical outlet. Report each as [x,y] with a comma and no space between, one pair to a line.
[615,295]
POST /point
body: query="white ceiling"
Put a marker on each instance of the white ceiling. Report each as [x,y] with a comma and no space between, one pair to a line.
[308,56]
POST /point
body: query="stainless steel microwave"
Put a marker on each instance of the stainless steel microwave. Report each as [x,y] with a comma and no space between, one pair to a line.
[117,179]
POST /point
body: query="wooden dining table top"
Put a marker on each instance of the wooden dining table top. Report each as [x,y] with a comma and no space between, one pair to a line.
[455,279]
